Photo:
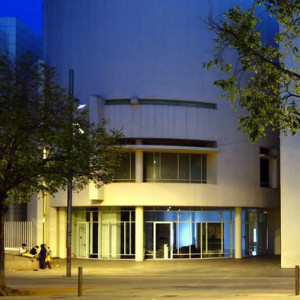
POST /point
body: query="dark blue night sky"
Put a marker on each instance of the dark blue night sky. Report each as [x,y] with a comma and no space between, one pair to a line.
[27,11]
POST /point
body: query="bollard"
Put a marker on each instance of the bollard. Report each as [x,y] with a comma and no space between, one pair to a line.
[79,281]
[296,280]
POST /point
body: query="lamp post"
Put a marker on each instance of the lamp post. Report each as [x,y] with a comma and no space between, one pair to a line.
[70,179]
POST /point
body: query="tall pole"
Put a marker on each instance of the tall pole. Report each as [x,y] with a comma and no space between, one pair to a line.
[70,179]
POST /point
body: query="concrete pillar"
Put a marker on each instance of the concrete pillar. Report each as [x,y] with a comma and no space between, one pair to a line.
[35,215]
[96,104]
[53,232]
[139,233]
[62,231]
[238,232]
[274,236]
[139,163]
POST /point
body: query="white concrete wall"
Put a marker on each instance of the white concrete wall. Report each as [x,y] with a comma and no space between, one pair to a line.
[290,201]
[290,194]
[174,194]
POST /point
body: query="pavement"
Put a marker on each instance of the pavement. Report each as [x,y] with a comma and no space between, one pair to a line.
[248,278]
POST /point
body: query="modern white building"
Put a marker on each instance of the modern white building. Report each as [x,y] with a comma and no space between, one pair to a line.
[192,185]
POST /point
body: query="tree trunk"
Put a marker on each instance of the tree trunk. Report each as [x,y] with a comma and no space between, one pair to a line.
[2,255]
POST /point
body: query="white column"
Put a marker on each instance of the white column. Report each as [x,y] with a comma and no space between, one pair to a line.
[274,236]
[62,231]
[35,215]
[139,163]
[96,104]
[53,232]
[238,232]
[139,233]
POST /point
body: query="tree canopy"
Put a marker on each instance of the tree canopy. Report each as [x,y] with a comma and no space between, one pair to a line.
[45,140]
[265,78]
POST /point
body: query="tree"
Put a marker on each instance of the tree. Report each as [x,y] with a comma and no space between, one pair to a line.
[265,78]
[45,140]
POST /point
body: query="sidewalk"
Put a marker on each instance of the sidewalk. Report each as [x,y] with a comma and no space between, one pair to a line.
[249,278]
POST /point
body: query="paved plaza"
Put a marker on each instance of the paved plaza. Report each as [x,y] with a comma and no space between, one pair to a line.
[249,278]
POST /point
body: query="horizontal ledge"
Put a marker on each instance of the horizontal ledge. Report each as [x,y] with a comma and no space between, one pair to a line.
[163,148]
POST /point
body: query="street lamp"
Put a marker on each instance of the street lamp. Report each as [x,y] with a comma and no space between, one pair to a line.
[70,173]
[70,179]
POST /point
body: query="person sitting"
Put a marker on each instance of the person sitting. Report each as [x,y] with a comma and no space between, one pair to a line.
[34,250]
[23,249]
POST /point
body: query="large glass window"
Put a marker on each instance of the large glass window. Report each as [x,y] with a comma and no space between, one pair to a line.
[106,233]
[169,167]
[126,171]
[195,233]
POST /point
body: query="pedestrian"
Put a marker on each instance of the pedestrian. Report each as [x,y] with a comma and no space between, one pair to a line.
[48,258]
[42,256]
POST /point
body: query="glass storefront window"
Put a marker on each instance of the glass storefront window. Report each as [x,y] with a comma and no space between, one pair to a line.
[169,232]
[195,233]
[254,231]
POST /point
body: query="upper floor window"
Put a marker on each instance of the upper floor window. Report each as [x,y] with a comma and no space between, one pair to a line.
[170,167]
[264,172]
[126,172]
[268,167]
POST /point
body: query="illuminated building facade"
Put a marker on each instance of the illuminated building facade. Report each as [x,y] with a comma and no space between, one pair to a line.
[191,185]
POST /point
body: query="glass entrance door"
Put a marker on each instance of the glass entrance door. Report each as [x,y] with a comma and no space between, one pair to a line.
[211,238]
[162,240]
[82,238]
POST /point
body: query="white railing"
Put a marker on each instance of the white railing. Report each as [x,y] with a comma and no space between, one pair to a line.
[17,233]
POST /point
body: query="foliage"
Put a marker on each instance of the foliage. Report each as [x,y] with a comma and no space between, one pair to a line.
[265,78]
[44,139]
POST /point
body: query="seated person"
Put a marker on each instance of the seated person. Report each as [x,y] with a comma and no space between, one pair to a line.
[23,249]
[34,250]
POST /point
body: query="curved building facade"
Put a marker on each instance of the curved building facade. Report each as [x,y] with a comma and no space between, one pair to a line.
[191,185]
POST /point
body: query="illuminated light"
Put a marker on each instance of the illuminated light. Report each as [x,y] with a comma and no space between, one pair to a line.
[254,235]
[80,106]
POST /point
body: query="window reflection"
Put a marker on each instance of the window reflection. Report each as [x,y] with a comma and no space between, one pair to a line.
[169,167]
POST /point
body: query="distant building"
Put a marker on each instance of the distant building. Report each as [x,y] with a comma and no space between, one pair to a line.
[16,38]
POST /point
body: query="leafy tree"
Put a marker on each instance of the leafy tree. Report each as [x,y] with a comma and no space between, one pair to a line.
[44,140]
[265,78]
